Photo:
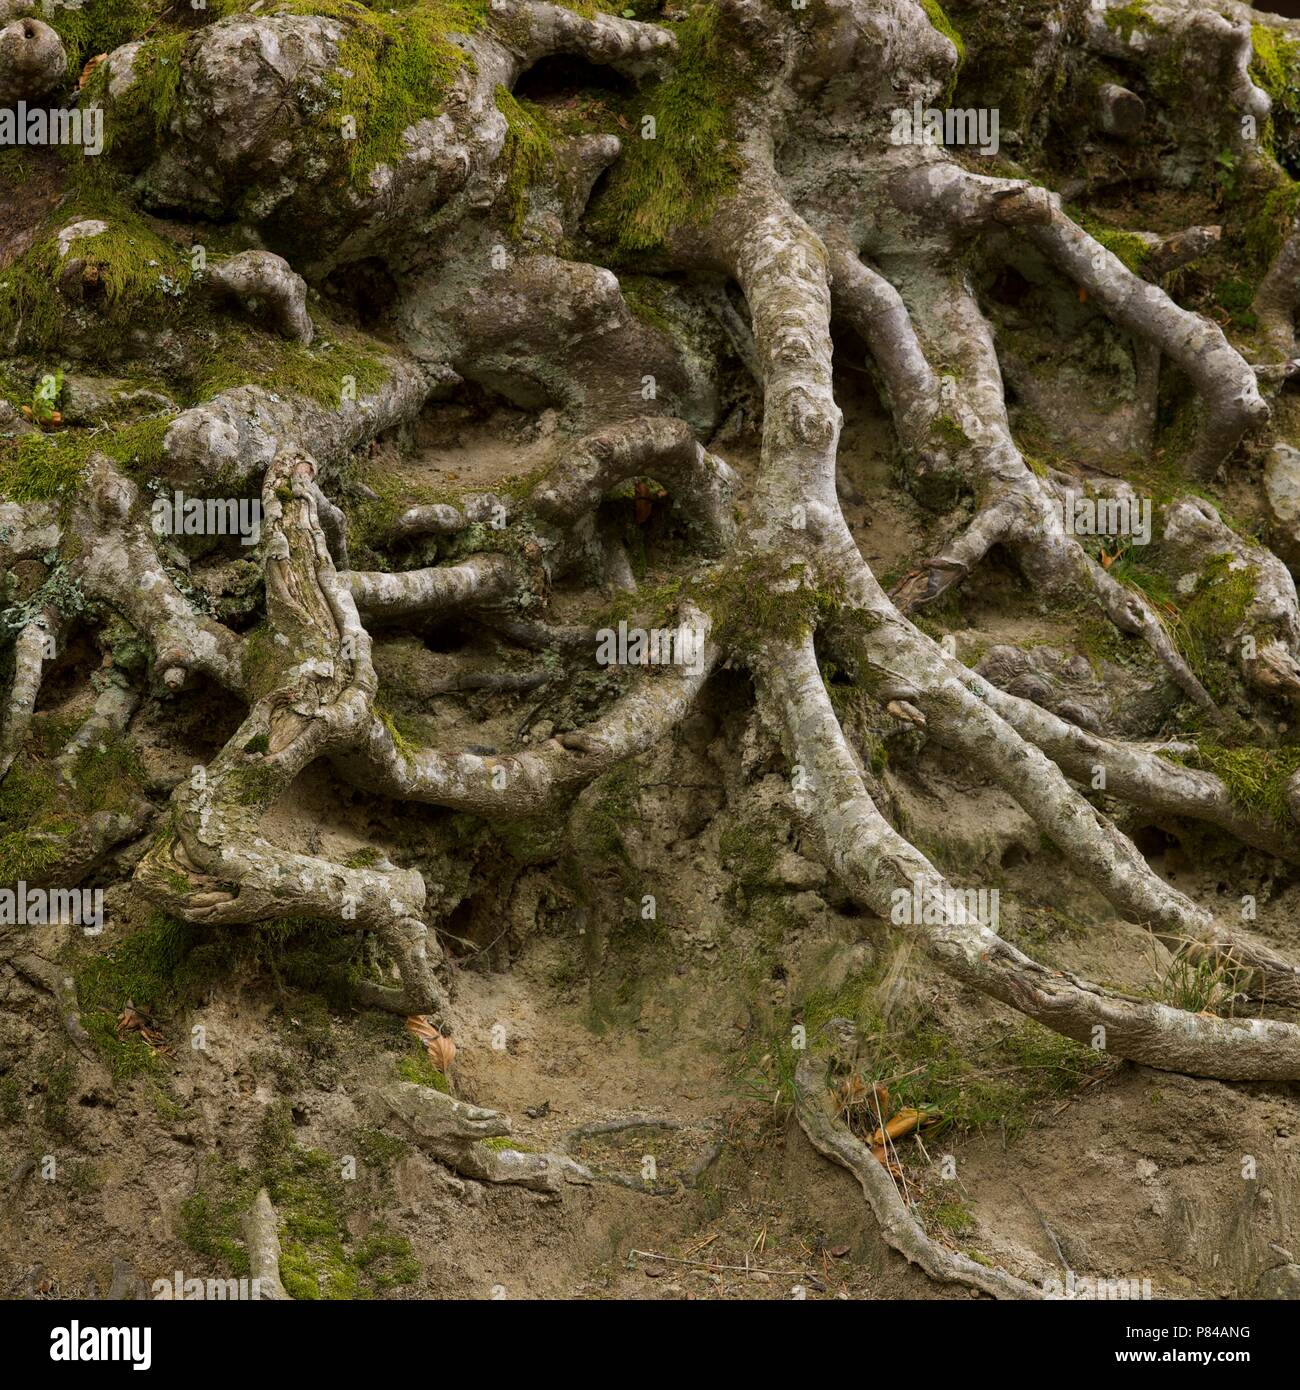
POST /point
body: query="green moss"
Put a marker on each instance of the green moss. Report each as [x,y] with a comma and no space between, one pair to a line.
[935,14]
[39,811]
[387,1260]
[149,104]
[137,275]
[127,1057]
[851,1000]
[147,968]
[954,1217]
[1270,226]
[211,1215]
[1126,20]
[758,600]
[30,855]
[313,1200]
[418,1067]
[395,66]
[678,178]
[529,153]
[1256,778]
[106,776]
[614,808]
[749,850]
[1127,246]
[1275,67]
[339,357]
[255,784]
[1235,298]
[1214,614]
[99,26]
[949,430]
[379,1149]
[403,733]
[644,295]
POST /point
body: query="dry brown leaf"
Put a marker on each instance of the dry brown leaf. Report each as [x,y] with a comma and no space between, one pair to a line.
[437,1042]
[89,68]
[904,1123]
[442,1051]
[421,1027]
[133,1020]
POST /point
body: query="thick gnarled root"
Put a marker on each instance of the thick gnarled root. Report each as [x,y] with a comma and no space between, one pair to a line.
[320,698]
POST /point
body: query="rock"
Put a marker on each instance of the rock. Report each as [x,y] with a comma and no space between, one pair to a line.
[75,231]
[1280,1283]
[32,61]
[90,400]
[1282,491]
[792,871]
[13,422]
[127,1285]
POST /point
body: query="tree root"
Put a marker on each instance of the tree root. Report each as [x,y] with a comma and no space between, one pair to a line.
[32,648]
[1278,298]
[508,786]
[873,862]
[214,866]
[116,560]
[898,1226]
[262,1237]
[257,278]
[462,1137]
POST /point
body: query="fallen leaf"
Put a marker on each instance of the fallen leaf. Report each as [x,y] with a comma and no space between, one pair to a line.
[904,1123]
[89,68]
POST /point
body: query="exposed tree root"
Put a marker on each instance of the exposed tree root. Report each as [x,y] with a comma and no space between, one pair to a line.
[464,1137]
[1278,298]
[262,1237]
[874,863]
[215,866]
[481,294]
[898,1226]
[32,648]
